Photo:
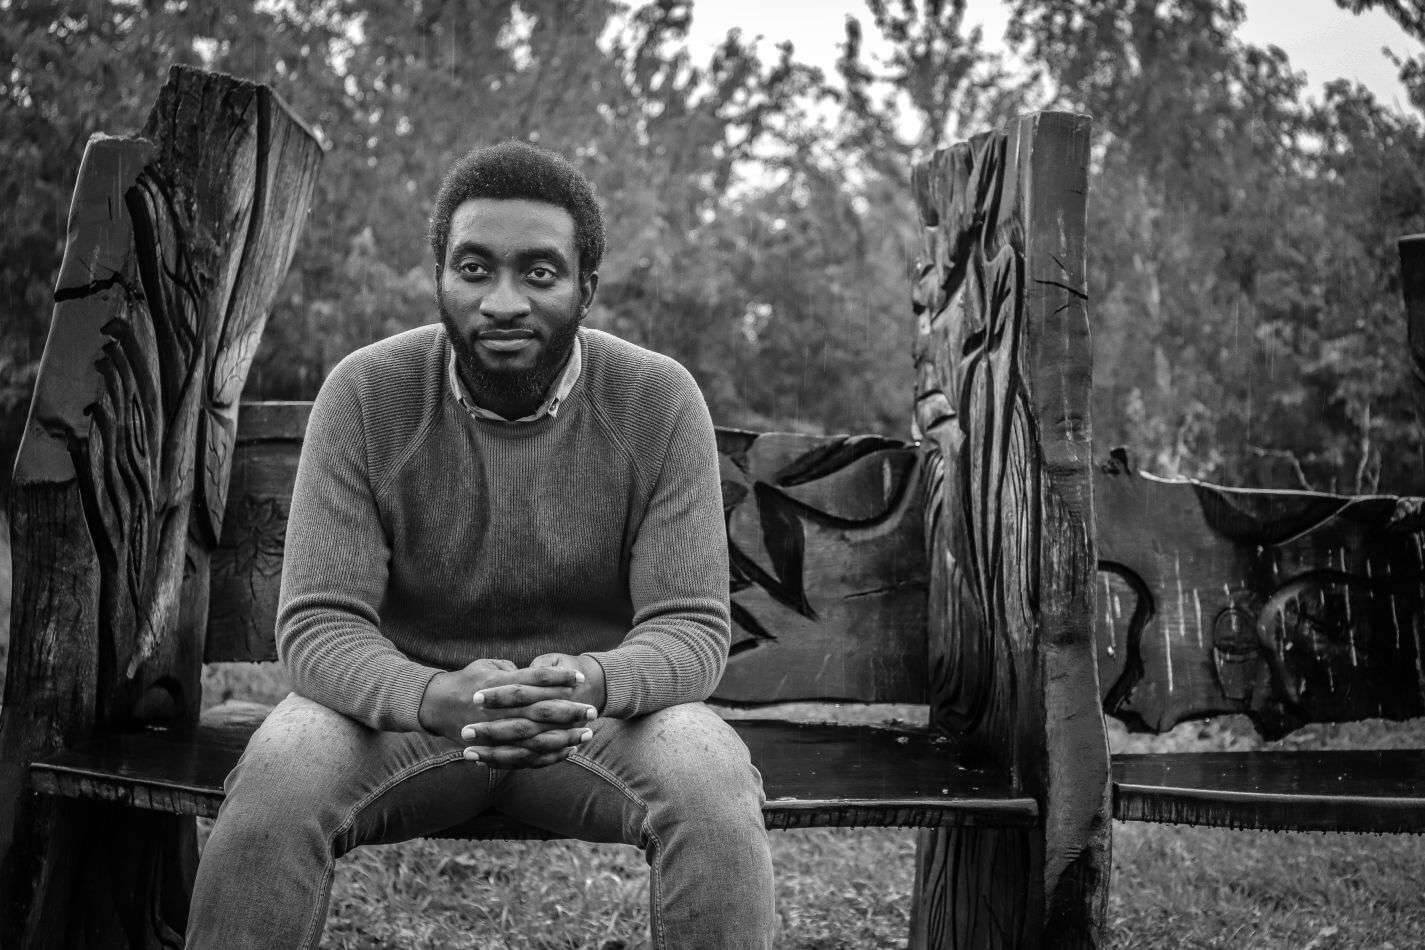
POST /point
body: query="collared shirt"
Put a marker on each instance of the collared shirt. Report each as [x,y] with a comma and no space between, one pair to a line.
[550,406]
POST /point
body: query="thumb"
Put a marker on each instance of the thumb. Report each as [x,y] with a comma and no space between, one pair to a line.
[548,659]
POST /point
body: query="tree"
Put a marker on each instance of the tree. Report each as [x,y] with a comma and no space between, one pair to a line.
[1232,257]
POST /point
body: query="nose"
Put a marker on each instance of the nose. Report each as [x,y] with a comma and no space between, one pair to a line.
[504,301]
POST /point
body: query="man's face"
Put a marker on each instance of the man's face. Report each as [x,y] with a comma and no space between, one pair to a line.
[511,298]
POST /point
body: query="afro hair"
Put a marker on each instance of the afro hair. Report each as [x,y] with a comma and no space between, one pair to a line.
[519,170]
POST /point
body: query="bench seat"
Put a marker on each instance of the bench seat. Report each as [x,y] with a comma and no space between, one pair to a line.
[1341,790]
[883,777]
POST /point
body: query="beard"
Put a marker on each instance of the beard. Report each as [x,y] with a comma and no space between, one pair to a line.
[502,388]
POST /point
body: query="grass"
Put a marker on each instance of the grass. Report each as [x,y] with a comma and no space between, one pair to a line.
[1173,887]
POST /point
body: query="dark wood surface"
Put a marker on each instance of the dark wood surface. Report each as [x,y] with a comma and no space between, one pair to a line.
[1003,365]
[176,242]
[247,564]
[1288,606]
[824,533]
[1338,790]
[814,775]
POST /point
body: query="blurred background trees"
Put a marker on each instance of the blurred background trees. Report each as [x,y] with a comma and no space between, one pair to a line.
[1244,288]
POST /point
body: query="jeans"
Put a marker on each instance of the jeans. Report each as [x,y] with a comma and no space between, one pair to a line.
[314,784]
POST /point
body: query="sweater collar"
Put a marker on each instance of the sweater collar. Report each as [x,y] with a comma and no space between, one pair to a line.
[550,407]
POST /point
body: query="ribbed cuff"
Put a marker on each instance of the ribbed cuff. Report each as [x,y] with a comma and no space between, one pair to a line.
[404,693]
[620,687]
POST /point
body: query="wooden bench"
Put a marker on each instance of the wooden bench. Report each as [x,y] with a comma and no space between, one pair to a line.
[147,531]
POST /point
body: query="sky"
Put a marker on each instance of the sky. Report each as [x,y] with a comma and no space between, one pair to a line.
[1319,37]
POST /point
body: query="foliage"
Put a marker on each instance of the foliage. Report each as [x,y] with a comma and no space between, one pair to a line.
[1245,292]
[1410,14]
[1247,306]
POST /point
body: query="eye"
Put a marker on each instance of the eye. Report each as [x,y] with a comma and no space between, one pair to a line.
[470,269]
[541,274]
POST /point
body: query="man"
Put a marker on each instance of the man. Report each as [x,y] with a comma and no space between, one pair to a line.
[505,587]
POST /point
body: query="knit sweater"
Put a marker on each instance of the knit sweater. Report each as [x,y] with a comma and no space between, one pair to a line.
[421,538]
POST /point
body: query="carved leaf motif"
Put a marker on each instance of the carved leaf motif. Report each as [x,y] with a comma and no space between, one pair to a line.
[815,527]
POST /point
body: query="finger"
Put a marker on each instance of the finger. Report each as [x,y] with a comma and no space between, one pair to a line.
[514,757]
[558,711]
[501,731]
[554,740]
[550,676]
[518,695]
[521,732]
[492,666]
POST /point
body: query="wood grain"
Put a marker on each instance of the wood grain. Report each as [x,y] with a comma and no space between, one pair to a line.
[176,244]
[824,532]
[1003,369]
[1288,606]
[247,563]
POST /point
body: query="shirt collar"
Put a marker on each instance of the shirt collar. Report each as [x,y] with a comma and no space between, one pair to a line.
[551,404]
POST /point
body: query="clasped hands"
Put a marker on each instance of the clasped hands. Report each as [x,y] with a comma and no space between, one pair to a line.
[508,717]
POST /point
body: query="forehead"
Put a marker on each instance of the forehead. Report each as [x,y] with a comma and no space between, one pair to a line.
[512,224]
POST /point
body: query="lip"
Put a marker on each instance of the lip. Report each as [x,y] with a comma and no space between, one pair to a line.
[507,345]
[505,341]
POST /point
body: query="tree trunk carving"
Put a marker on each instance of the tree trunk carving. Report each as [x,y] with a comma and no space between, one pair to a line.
[177,242]
[1002,394]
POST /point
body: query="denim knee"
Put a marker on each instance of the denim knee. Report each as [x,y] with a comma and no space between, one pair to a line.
[294,775]
[705,775]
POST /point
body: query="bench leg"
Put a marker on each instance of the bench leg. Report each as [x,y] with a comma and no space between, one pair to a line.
[106,876]
[977,889]
[984,888]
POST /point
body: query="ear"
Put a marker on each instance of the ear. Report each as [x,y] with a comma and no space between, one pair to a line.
[588,286]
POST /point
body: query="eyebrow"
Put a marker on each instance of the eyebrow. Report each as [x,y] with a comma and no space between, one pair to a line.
[524,254]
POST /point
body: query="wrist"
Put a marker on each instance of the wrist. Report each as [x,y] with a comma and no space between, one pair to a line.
[433,702]
[592,691]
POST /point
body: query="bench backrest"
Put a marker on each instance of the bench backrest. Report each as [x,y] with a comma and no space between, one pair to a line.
[825,542]
[1290,607]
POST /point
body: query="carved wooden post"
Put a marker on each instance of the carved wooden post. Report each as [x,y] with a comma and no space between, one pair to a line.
[1002,403]
[177,242]
[1412,285]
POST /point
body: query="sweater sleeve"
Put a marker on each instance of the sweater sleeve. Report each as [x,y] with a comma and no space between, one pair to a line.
[678,580]
[334,576]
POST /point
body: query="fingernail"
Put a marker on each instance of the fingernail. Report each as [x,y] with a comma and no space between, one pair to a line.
[588,734]
[578,677]
[591,713]
[467,733]
[478,699]
[472,755]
